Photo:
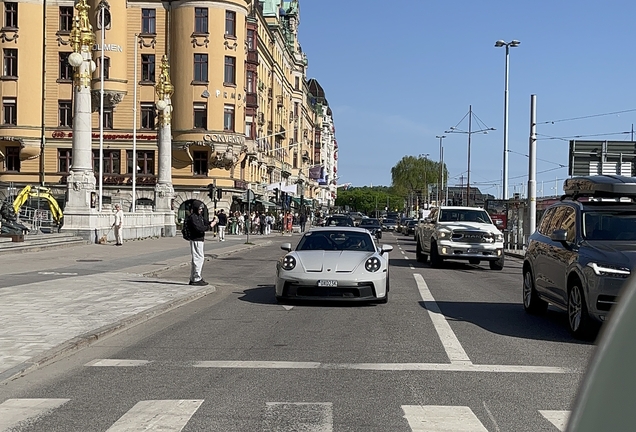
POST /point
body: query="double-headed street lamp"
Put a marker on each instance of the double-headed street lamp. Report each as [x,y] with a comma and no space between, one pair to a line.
[425,156]
[508,45]
[440,178]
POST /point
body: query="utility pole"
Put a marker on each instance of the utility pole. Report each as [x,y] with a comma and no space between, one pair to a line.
[532,167]
[470,132]
[440,180]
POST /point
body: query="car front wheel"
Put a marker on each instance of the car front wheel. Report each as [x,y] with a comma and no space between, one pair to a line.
[436,260]
[421,256]
[531,301]
[497,265]
[578,318]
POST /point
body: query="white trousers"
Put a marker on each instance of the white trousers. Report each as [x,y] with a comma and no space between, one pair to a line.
[119,238]
[221,232]
[198,257]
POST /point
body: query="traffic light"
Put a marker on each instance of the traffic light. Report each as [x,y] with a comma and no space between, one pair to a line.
[219,194]
[211,189]
[275,194]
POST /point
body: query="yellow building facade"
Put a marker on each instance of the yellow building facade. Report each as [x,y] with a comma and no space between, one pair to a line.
[242,114]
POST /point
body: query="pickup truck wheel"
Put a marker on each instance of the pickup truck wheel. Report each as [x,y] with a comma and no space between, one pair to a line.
[436,260]
[497,265]
[421,257]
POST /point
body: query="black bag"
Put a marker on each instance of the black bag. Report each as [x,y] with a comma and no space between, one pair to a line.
[185,231]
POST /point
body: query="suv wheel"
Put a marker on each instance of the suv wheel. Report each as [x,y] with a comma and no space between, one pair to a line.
[498,264]
[421,257]
[579,320]
[531,301]
[436,260]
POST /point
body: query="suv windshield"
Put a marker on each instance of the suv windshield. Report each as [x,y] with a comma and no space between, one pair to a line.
[339,221]
[464,215]
[369,223]
[609,225]
[336,241]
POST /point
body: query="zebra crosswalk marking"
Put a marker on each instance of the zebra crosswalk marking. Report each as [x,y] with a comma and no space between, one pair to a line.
[15,411]
[304,416]
[163,415]
[433,418]
[557,418]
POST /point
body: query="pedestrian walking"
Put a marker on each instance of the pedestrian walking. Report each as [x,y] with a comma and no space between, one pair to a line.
[196,226]
[303,220]
[222,217]
[119,225]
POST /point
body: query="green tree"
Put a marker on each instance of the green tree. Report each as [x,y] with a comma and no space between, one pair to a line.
[415,174]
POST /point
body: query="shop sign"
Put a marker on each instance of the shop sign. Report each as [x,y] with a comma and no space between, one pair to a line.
[62,134]
[224,138]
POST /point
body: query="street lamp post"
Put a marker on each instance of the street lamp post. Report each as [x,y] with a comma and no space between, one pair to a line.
[508,45]
[440,180]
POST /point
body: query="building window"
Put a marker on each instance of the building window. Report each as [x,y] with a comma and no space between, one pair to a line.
[10,63]
[66,18]
[200,20]
[297,83]
[148,68]
[106,67]
[13,158]
[249,81]
[145,162]
[65,159]
[103,17]
[230,70]
[230,23]
[249,129]
[200,115]
[200,163]
[108,118]
[111,161]
[149,21]
[66,71]
[9,112]
[11,14]
[148,115]
[228,118]
[65,113]
[201,67]
[251,44]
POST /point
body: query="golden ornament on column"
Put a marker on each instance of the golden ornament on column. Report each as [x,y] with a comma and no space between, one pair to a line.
[82,39]
[164,90]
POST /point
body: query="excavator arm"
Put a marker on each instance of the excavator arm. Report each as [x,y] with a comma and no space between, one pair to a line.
[38,192]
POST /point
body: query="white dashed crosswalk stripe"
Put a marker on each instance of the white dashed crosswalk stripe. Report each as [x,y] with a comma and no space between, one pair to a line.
[15,411]
[431,418]
[292,417]
[163,415]
[557,418]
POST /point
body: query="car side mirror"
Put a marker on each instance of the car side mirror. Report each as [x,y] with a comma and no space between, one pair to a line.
[286,247]
[559,235]
[386,248]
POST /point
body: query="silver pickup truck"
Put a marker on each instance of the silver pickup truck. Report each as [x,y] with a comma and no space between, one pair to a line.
[459,233]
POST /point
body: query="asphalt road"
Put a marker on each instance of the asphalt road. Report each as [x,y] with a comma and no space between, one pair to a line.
[452,350]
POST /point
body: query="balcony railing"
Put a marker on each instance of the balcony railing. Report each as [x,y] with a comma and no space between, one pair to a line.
[251,100]
[252,57]
[279,100]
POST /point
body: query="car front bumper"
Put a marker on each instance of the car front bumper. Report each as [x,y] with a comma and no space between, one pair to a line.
[367,287]
[449,249]
[602,293]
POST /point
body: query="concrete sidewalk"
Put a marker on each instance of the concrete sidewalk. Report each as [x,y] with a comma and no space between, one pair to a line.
[56,301]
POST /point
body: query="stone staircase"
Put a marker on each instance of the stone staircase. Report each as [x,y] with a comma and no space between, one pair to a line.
[40,241]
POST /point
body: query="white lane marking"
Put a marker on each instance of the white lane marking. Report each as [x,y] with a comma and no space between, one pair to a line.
[454,350]
[288,307]
[15,411]
[117,363]
[441,367]
[157,415]
[291,417]
[57,274]
[492,417]
[403,253]
[557,418]
[411,266]
[405,257]
[431,418]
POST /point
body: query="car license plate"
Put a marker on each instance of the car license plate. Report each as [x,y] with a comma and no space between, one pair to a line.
[473,251]
[327,283]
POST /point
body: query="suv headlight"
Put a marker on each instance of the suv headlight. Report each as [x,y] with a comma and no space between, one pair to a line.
[372,264]
[444,234]
[289,262]
[609,270]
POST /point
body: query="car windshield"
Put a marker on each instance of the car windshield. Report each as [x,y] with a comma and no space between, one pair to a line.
[339,221]
[609,225]
[369,223]
[389,221]
[411,223]
[464,215]
[336,241]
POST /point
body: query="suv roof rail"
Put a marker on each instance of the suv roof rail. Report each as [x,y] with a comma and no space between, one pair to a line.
[599,186]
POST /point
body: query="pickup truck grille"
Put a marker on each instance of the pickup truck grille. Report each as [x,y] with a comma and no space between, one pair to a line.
[473,237]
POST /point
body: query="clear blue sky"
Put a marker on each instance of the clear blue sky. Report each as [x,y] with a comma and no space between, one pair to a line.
[398,73]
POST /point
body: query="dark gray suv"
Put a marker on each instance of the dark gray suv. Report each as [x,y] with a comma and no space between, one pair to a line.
[583,251]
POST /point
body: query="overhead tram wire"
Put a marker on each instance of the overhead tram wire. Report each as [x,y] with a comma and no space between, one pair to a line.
[542,160]
[570,137]
[587,117]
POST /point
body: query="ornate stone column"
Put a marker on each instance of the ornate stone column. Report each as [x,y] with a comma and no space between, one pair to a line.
[81,181]
[164,191]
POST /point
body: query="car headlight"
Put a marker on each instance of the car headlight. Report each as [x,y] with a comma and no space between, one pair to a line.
[372,265]
[609,270]
[498,237]
[444,234]
[289,262]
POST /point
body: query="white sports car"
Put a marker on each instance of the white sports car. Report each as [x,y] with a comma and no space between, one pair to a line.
[334,263]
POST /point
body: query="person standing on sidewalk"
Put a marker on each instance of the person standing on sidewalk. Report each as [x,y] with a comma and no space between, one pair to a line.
[197,226]
[119,225]
[222,224]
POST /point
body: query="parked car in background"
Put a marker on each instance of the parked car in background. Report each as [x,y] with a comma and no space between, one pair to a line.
[409,227]
[373,226]
[583,251]
[357,217]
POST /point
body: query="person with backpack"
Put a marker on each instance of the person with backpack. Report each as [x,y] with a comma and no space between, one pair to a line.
[194,228]
[222,218]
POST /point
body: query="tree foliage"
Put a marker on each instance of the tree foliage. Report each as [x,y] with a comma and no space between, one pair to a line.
[368,199]
[414,174]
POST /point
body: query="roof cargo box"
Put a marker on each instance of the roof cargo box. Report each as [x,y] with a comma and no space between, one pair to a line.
[600,186]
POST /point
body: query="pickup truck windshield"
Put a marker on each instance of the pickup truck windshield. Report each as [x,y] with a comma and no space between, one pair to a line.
[464,215]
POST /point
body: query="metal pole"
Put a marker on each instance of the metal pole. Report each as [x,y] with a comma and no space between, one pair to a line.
[470,122]
[440,179]
[532,167]
[505,130]
[101,111]
[248,218]
[134,144]
[444,180]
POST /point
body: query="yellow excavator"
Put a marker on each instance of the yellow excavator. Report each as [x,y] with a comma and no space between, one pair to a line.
[38,192]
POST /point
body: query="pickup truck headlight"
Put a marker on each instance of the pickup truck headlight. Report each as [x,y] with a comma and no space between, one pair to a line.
[498,237]
[289,262]
[444,234]
[609,270]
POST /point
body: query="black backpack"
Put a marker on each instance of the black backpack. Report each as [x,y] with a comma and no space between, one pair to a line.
[185,231]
